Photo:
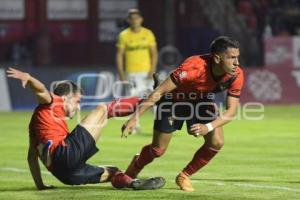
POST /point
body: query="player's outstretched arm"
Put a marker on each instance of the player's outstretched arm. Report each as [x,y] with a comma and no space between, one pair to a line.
[34,166]
[38,88]
[167,86]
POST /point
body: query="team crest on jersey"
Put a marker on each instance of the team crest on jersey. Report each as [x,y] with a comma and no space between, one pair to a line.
[226,84]
[171,120]
[183,75]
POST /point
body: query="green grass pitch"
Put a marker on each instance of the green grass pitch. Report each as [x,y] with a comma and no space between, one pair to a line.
[260,160]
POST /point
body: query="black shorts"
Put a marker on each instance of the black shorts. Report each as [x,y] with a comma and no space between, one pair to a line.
[69,162]
[170,116]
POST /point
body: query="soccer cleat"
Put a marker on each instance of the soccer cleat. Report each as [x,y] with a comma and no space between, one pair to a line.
[184,182]
[148,184]
[122,181]
[132,169]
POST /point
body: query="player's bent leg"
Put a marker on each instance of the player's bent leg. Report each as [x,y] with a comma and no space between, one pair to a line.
[80,146]
[95,121]
[147,155]
[97,118]
[213,143]
[215,139]
[83,174]
[122,107]
[149,152]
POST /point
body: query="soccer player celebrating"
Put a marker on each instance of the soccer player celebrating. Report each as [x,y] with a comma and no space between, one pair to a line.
[64,154]
[188,95]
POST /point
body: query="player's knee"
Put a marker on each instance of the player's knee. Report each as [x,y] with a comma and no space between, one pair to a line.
[157,151]
[102,109]
[217,144]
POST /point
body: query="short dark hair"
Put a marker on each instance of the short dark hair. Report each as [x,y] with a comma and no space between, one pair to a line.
[133,11]
[222,43]
[66,87]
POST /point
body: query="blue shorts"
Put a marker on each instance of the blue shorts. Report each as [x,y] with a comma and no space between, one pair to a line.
[170,116]
[69,162]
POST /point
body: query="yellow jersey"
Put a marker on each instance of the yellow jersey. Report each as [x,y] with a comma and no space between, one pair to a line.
[136,46]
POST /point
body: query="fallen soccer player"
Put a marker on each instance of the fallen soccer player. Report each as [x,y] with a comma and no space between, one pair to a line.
[63,153]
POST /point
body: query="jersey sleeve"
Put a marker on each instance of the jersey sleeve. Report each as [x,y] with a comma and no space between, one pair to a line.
[236,87]
[151,38]
[121,41]
[54,100]
[51,102]
[187,72]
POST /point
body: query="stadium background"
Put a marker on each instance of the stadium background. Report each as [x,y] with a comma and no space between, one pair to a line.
[61,39]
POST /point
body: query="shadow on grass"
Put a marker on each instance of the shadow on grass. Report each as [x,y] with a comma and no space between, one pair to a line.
[60,188]
[248,181]
[16,189]
[78,188]
[143,134]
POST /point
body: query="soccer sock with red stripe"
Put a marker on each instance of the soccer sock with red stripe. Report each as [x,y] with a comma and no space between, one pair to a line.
[123,107]
[147,155]
[200,159]
[120,180]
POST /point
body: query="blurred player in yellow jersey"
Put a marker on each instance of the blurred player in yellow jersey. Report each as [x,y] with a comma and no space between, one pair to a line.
[136,54]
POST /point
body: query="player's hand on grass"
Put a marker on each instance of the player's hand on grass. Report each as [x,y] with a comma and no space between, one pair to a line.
[198,130]
[128,127]
[22,76]
[46,187]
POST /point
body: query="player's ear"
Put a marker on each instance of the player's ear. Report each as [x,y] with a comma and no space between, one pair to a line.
[216,58]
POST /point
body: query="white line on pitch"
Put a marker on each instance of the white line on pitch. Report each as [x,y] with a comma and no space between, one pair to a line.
[18,170]
[250,185]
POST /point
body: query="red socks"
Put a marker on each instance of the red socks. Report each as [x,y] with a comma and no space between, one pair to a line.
[121,180]
[147,155]
[200,159]
[122,107]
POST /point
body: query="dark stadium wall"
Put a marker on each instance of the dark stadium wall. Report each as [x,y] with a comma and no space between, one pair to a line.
[74,36]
